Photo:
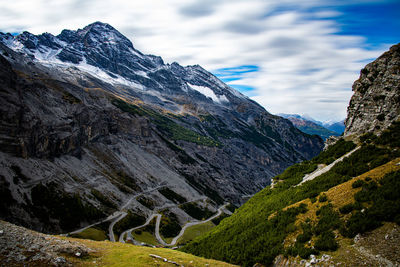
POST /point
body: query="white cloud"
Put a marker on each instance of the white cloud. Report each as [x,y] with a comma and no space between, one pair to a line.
[304,67]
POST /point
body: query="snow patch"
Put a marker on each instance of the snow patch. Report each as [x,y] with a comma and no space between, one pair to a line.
[223,98]
[206,91]
[97,72]
[13,44]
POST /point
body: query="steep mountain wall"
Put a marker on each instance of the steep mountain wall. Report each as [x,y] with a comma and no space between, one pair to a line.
[375,103]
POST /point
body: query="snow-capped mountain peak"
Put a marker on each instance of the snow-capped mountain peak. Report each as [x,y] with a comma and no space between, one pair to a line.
[103,52]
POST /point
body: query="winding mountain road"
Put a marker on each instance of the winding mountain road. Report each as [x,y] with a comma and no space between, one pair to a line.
[189,224]
[128,232]
[157,228]
[122,213]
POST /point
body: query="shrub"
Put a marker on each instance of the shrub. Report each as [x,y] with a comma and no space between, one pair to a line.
[360,222]
[306,235]
[169,226]
[346,208]
[357,184]
[172,195]
[147,202]
[337,150]
[323,198]
[326,241]
[196,211]
[129,221]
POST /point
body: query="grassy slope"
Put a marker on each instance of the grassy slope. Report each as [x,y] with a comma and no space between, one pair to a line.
[195,231]
[92,234]
[339,196]
[238,239]
[118,254]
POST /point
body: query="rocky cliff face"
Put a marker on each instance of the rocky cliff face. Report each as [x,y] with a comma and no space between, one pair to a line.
[88,123]
[375,103]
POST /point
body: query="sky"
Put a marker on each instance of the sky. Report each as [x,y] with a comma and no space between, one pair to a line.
[291,56]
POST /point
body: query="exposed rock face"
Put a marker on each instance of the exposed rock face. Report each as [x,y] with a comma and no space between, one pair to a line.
[375,103]
[89,122]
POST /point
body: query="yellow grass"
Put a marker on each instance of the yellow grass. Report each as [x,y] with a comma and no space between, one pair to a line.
[338,196]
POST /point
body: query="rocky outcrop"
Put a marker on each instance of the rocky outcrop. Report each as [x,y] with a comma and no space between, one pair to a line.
[375,103]
[22,247]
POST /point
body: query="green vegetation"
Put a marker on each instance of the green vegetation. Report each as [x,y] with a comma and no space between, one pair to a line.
[358,184]
[217,220]
[145,201]
[172,195]
[231,207]
[196,211]
[103,199]
[323,198]
[300,248]
[326,241]
[131,220]
[256,231]
[169,226]
[117,254]
[328,219]
[91,233]
[347,208]
[378,203]
[49,202]
[127,180]
[167,125]
[145,237]
[334,152]
[195,231]
[203,188]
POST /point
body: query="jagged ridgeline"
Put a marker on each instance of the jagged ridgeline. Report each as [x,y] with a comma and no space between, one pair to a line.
[91,122]
[283,219]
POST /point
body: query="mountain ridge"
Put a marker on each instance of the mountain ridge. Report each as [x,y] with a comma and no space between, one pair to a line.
[94,133]
[309,125]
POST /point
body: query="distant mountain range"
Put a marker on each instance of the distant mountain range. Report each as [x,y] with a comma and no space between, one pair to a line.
[311,126]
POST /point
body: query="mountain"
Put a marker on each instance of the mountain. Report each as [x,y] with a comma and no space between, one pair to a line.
[339,208]
[95,132]
[309,126]
[337,127]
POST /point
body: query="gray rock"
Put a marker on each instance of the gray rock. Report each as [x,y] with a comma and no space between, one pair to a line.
[313,259]
[60,260]
[375,102]
[357,238]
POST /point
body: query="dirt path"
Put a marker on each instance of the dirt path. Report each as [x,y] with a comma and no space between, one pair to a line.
[321,170]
